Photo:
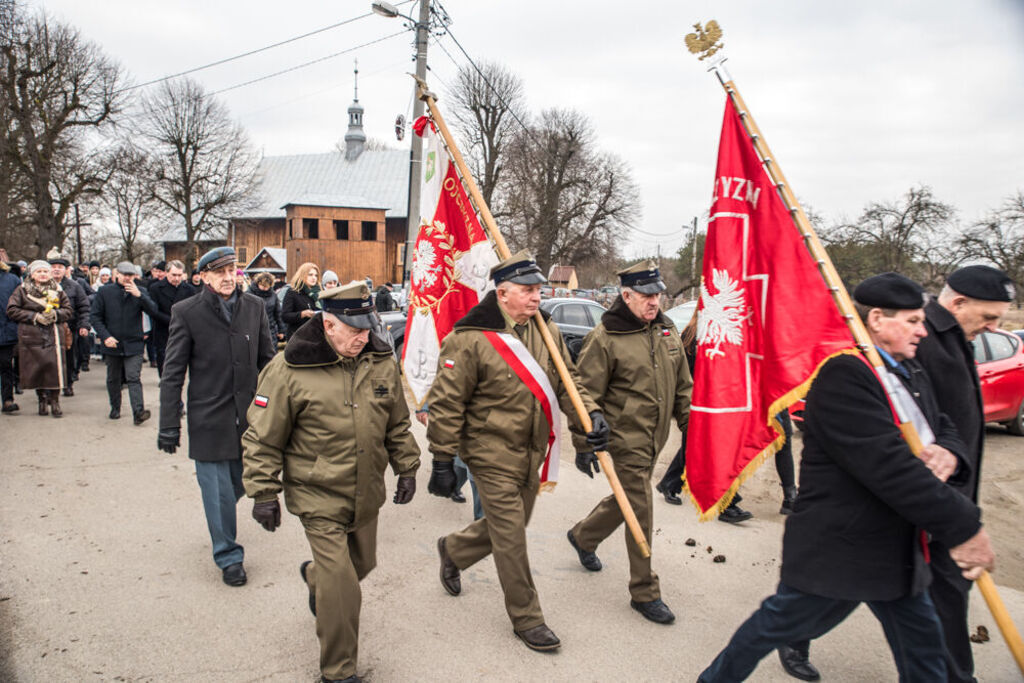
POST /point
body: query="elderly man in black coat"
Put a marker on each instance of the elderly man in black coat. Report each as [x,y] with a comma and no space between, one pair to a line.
[974,299]
[117,318]
[221,337]
[858,531]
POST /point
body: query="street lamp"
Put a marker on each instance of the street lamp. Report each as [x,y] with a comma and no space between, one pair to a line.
[386,9]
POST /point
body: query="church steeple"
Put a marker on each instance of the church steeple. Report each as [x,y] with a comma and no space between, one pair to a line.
[355,138]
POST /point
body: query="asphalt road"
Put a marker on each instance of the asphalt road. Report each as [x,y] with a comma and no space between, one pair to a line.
[106,574]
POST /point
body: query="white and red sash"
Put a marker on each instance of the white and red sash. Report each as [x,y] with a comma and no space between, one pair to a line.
[527,369]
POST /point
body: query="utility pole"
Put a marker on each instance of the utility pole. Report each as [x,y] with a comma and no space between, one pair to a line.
[78,233]
[693,262]
[416,159]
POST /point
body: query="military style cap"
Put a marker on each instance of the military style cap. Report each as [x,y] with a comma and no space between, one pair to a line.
[217,258]
[643,277]
[981,282]
[520,268]
[125,268]
[351,304]
[890,290]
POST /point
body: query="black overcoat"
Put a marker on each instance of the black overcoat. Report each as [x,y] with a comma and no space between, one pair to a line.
[165,295]
[864,497]
[117,313]
[948,358]
[295,302]
[223,363]
[80,306]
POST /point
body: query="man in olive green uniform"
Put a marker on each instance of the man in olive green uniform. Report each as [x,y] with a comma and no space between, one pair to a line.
[328,417]
[483,408]
[633,365]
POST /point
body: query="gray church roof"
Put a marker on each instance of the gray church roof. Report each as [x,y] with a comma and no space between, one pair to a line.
[376,179]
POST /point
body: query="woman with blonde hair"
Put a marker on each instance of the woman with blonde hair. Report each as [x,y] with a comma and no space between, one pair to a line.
[300,302]
[42,309]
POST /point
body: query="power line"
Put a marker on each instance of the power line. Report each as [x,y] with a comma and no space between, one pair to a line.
[251,52]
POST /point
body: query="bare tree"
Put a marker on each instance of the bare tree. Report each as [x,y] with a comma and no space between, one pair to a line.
[999,239]
[565,200]
[129,196]
[58,89]
[204,167]
[484,106]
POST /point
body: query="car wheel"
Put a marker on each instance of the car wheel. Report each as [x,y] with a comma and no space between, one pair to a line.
[1016,425]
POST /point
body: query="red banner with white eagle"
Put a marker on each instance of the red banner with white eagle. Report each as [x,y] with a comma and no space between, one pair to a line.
[765,324]
[450,265]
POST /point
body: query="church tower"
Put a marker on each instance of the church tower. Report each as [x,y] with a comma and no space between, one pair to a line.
[355,138]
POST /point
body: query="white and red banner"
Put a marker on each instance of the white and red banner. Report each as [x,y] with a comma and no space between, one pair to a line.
[765,324]
[527,369]
[451,263]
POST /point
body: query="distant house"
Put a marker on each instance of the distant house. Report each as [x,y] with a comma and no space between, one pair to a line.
[563,276]
[345,211]
[273,260]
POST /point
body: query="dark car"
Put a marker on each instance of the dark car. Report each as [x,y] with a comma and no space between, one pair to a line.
[575,319]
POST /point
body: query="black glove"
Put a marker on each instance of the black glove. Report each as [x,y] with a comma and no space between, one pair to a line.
[584,461]
[442,479]
[598,435]
[406,490]
[267,513]
[168,439]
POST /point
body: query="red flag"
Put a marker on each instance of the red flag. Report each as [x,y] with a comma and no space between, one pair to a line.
[766,323]
[451,262]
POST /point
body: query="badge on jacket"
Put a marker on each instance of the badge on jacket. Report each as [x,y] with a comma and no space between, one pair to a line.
[260,401]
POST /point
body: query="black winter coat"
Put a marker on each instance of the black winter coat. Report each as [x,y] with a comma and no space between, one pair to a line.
[864,496]
[118,314]
[273,305]
[295,302]
[223,362]
[948,358]
[80,308]
[384,301]
[165,295]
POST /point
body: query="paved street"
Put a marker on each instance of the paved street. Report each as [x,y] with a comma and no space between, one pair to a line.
[106,574]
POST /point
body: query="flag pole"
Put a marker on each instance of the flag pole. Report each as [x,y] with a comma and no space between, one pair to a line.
[704,43]
[556,357]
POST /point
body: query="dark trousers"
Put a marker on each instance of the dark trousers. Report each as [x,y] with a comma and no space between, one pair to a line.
[220,484]
[949,592]
[910,625]
[7,376]
[83,347]
[784,456]
[128,369]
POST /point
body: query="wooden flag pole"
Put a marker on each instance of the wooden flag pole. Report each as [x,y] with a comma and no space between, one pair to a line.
[556,356]
[705,43]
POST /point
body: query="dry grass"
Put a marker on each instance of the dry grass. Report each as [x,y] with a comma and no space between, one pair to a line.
[1014,319]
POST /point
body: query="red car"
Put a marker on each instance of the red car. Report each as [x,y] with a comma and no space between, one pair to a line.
[1000,359]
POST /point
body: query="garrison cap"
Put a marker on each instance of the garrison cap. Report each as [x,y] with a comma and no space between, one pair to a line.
[351,304]
[890,290]
[643,277]
[982,282]
[217,258]
[520,268]
[125,268]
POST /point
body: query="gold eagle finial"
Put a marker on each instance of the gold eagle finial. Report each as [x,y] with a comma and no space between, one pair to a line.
[705,41]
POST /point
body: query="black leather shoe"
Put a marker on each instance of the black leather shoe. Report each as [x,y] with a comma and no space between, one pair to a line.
[234,575]
[312,595]
[10,407]
[588,559]
[797,664]
[670,498]
[655,610]
[539,638]
[68,391]
[458,497]
[115,414]
[734,514]
[450,574]
[350,679]
[141,416]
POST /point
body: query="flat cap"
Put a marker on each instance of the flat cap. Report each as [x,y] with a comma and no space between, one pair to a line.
[125,268]
[216,258]
[351,304]
[982,282]
[55,258]
[520,268]
[890,290]
[643,277]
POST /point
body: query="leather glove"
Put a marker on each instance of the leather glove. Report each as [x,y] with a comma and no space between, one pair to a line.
[45,318]
[598,435]
[442,479]
[168,439]
[406,490]
[584,461]
[268,514]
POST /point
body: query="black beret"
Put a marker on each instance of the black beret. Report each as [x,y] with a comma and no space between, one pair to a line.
[160,265]
[982,282]
[217,258]
[890,290]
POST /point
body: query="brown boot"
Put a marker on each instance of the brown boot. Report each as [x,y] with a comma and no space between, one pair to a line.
[43,403]
[54,401]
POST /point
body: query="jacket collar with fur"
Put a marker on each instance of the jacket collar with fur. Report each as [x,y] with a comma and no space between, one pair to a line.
[486,315]
[309,347]
[620,320]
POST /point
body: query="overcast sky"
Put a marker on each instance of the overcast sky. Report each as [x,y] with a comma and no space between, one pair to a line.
[859,101]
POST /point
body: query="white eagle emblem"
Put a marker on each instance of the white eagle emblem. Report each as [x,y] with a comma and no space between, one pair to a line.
[424,265]
[721,316]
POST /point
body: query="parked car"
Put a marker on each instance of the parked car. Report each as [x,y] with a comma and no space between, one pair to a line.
[546,291]
[680,315]
[575,318]
[394,323]
[999,356]
[583,294]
